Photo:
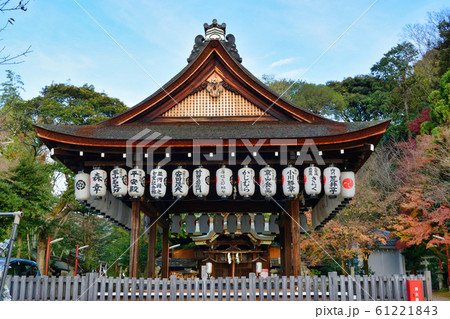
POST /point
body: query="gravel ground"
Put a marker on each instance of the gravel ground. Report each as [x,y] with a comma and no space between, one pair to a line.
[441,295]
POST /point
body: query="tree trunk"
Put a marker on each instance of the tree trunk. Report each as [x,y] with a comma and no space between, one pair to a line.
[19,245]
[405,104]
[344,268]
[41,251]
[366,264]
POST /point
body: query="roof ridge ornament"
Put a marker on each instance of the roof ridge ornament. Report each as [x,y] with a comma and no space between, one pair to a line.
[215,31]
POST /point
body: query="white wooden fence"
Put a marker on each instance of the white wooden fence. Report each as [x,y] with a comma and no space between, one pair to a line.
[331,287]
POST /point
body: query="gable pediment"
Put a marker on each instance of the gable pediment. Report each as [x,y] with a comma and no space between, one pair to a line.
[214,99]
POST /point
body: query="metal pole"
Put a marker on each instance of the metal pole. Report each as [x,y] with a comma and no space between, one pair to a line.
[76,263]
[47,258]
[16,222]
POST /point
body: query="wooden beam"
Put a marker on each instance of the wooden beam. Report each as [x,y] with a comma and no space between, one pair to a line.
[294,211]
[165,253]
[134,238]
[229,205]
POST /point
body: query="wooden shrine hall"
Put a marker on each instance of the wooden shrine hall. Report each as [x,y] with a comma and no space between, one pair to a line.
[215,121]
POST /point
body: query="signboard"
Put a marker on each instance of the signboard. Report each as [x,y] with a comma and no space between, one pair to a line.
[265,273]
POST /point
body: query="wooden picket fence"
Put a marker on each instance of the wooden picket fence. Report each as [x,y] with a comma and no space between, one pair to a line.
[331,287]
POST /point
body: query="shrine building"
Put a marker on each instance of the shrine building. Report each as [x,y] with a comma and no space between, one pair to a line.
[216,155]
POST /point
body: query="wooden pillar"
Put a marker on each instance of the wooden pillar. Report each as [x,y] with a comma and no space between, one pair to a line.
[296,257]
[287,244]
[134,238]
[165,253]
[282,249]
[151,249]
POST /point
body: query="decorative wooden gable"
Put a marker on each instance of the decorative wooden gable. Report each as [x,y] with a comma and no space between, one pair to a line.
[215,99]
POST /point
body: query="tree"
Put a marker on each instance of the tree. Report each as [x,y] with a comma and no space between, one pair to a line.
[14,118]
[396,70]
[69,104]
[318,99]
[7,6]
[439,113]
[444,44]
[426,37]
[362,98]
[59,103]
[423,198]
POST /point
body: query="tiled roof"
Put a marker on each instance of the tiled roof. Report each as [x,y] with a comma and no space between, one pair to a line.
[222,131]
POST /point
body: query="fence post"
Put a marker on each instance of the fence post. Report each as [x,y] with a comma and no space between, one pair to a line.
[173,288]
[252,286]
[332,285]
[428,288]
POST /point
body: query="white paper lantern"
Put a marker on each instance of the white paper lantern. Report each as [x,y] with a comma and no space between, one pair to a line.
[119,181]
[218,223]
[246,223]
[258,267]
[268,181]
[136,182]
[291,185]
[246,183]
[200,182]
[98,183]
[204,224]
[175,224]
[191,222]
[312,180]
[331,181]
[209,268]
[231,223]
[260,223]
[180,182]
[158,183]
[82,186]
[348,184]
[224,182]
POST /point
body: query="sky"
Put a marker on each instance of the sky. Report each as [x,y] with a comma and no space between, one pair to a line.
[128,49]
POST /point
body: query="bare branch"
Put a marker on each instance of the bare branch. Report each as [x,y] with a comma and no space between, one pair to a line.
[8,59]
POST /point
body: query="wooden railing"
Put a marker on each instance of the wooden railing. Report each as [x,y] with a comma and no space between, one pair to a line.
[331,287]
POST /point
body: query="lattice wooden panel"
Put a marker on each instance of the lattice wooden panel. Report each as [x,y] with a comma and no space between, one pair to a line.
[202,104]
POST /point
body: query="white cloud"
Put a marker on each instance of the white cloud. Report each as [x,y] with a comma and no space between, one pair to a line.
[281,62]
[294,74]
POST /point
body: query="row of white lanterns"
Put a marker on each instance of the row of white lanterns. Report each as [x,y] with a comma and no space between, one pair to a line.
[132,183]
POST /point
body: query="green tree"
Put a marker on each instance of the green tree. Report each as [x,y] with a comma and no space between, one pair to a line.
[58,103]
[318,99]
[440,107]
[68,104]
[362,98]
[396,69]
[444,44]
